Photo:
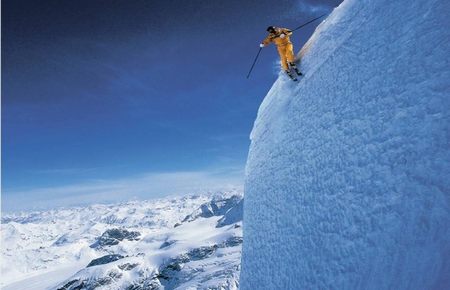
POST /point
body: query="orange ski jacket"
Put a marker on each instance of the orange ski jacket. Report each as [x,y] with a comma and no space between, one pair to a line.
[275,37]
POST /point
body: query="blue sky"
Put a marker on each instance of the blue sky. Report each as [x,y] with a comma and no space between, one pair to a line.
[111,100]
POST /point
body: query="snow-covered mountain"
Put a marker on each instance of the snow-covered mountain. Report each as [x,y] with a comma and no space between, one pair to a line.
[348,174]
[172,243]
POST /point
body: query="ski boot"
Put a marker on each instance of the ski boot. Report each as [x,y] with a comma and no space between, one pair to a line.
[294,66]
[291,76]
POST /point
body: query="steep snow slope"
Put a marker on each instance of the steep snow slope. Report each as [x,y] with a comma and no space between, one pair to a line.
[131,245]
[348,174]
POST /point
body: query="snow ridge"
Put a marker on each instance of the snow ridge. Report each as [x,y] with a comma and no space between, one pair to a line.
[347,176]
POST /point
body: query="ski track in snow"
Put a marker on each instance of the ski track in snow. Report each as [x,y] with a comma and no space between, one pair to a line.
[347,181]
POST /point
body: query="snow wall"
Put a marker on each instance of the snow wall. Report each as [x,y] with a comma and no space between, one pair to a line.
[348,174]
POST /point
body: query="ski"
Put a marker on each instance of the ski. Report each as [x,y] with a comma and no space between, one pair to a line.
[294,66]
[298,72]
[291,76]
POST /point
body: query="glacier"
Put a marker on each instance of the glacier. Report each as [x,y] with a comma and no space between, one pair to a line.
[348,174]
[132,245]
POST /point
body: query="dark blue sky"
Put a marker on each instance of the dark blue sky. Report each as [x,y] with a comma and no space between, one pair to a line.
[106,90]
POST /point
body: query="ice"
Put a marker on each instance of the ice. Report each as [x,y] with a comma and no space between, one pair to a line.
[348,174]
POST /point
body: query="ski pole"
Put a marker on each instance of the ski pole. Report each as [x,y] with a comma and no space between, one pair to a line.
[256,58]
[304,24]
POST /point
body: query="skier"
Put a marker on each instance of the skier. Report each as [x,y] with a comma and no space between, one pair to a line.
[280,36]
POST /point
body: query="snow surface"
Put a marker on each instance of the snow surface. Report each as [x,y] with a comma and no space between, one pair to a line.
[348,174]
[49,249]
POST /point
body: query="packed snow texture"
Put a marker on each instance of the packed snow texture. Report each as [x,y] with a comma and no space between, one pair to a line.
[132,246]
[348,174]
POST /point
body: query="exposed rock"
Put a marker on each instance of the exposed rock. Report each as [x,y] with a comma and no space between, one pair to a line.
[127,266]
[71,285]
[114,236]
[105,260]
[167,244]
[89,284]
[233,215]
[145,284]
[168,271]
[62,240]
[232,242]
[216,207]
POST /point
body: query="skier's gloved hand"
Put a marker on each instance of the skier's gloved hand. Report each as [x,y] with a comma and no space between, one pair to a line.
[261,45]
[282,35]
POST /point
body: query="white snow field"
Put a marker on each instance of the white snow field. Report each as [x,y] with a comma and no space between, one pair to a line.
[348,174]
[170,243]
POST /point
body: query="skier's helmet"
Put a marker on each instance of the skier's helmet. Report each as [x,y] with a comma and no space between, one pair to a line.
[271,29]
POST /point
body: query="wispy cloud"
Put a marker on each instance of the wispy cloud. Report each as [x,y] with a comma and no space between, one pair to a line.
[147,185]
[63,171]
[312,8]
[304,8]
